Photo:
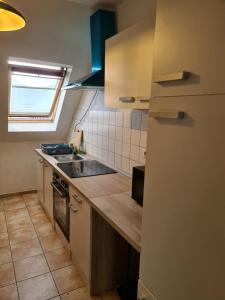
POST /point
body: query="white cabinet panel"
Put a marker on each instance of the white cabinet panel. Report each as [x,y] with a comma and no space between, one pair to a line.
[183,225]
[48,191]
[80,214]
[189,37]
[40,179]
[128,70]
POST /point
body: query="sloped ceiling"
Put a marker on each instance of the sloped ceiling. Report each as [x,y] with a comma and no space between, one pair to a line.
[61,36]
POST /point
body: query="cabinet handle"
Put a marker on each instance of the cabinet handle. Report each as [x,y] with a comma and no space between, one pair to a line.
[166,114]
[76,197]
[127,99]
[183,75]
[74,210]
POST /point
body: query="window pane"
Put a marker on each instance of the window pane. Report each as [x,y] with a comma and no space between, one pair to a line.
[32,93]
[31,101]
[34,81]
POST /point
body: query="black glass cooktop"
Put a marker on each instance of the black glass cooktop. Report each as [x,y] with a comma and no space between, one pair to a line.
[84,168]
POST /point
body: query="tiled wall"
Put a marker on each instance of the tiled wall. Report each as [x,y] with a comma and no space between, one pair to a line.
[116,137]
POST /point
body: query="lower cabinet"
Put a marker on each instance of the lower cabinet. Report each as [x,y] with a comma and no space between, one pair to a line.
[48,191]
[40,179]
[80,218]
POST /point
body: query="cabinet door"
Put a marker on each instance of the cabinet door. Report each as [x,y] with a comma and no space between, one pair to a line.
[40,179]
[48,192]
[128,70]
[184,206]
[189,37]
[80,233]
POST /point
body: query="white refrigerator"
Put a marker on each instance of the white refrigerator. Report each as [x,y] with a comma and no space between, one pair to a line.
[183,242]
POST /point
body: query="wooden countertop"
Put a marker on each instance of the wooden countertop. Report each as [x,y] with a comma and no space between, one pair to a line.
[110,196]
[123,214]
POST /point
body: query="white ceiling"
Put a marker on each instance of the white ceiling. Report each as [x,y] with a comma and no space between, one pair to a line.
[98,2]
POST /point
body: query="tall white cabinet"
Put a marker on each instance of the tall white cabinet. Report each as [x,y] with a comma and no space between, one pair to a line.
[183,245]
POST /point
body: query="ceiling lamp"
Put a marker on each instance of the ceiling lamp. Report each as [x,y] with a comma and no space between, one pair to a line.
[10,18]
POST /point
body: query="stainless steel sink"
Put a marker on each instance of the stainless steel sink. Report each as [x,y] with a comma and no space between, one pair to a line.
[68,157]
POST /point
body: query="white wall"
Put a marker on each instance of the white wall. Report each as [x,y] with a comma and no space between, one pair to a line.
[57,31]
[132,11]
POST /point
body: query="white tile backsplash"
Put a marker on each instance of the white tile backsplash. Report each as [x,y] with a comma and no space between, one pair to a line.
[112,118]
[126,150]
[115,137]
[119,134]
[119,119]
[126,135]
[134,152]
[135,137]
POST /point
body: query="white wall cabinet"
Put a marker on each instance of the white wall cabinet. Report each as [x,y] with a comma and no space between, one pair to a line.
[80,215]
[48,191]
[128,67]
[40,179]
[189,37]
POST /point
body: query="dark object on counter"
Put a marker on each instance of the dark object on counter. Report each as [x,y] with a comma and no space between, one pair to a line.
[138,184]
[84,168]
[53,149]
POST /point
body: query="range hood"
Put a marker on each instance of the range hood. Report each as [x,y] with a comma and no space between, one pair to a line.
[103,26]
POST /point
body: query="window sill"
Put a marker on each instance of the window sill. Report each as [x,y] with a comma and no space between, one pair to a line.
[32,126]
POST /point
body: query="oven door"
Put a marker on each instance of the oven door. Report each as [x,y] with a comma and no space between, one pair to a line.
[61,209]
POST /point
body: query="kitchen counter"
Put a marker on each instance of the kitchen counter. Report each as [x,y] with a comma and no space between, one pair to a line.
[110,196]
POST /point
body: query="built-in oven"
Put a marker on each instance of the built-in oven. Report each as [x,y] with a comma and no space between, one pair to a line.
[61,200]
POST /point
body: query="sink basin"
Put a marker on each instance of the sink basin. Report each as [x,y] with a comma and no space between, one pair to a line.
[67,157]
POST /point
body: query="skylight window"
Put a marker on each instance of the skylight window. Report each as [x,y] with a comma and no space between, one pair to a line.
[34,91]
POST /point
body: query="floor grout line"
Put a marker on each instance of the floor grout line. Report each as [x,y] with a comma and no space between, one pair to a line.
[38,237]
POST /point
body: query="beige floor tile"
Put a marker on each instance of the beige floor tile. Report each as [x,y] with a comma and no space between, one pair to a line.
[58,258]
[30,196]
[31,199]
[14,205]
[4,241]
[2,216]
[30,267]
[79,294]
[17,213]
[50,242]
[44,229]
[12,199]
[22,235]
[26,249]
[3,227]
[39,219]
[7,276]
[111,295]
[9,293]
[37,288]
[67,279]
[5,255]
[36,209]
[15,224]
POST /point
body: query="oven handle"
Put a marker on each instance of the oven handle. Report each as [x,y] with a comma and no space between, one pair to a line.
[62,195]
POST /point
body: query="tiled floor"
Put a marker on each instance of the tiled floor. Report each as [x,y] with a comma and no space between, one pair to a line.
[33,262]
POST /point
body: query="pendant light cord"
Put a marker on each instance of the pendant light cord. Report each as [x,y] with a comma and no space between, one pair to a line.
[88,109]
